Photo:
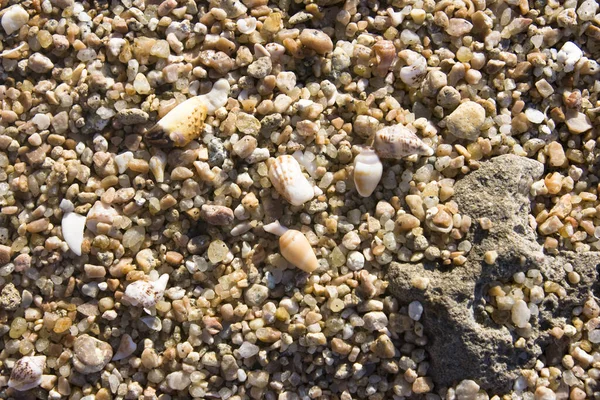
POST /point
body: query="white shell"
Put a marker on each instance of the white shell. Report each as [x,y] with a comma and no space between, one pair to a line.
[287,178]
[100,212]
[367,172]
[415,71]
[398,141]
[27,373]
[158,163]
[126,348]
[145,293]
[72,226]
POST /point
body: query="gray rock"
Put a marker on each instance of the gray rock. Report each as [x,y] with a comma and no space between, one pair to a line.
[216,215]
[91,354]
[465,341]
[132,116]
[229,367]
[260,68]
[256,295]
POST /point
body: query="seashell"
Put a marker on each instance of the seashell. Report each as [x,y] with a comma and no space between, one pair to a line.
[398,141]
[246,25]
[72,226]
[126,348]
[385,54]
[100,212]
[157,164]
[294,247]
[27,373]
[415,70]
[184,123]
[438,219]
[367,171]
[145,293]
[287,178]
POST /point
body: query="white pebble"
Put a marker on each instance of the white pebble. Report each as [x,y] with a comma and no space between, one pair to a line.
[534,116]
[415,310]
[520,314]
[568,55]
[14,18]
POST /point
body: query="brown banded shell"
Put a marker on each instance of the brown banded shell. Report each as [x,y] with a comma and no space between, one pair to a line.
[367,171]
[289,181]
[296,249]
[398,141]
[27,373]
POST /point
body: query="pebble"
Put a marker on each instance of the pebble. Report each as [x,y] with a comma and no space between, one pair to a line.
[217,215]
[577,122]
[256,294]
[90,354]
[568,55]
[260,68]
[39,63]
[467,390]
[556,154]
[544,393]
[178,380]
[316,40]
[520,314]
[355,261]
[244,147]
[132,116]
[248,350]
[465,120]
[10,298]
[14,18]
[415,310]
[375,320]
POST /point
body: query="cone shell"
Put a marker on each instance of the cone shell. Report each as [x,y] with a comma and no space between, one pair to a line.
[295,248]
[398,141]
[184,123]
[287,178]
[181,125]
[367,172]
[27,373]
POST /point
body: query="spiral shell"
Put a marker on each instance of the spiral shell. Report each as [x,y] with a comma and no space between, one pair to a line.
[184,123]
[145,293]
[295,248]
[398,141]
[287,178]
[27,373]
[367,172]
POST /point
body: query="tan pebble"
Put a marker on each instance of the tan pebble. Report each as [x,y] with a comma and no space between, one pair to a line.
[173,258]
[340,347]
[316,40]
[217,215]
[422,385]
[490,257]
[407,222]
[62,324]
[415,203]
[556,154]
[550,226]
[94,271]
[38,226]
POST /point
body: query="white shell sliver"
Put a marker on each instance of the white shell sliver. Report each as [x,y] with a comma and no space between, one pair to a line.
[146,293]
[73,226]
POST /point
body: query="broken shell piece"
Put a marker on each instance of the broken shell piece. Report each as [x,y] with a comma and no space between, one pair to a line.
[184,123]
[294,247]
[367,171]
[100,212]
[415,70]
[398,141]
[145,293]
[72,226]
[385,54]
[287,178]
[27,373]
[438,219]
[126,348]
[158,163]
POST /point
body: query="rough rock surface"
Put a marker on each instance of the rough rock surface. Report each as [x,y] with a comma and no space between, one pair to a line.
[464,341]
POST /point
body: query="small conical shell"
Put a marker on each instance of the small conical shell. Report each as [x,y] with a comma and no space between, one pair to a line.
[287,178]
[367,172]
[295,248]
[27,373]
[144,293]
[184,123]
[398,141]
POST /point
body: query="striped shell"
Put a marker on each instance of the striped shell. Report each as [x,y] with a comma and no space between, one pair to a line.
[27,373]
[184,123]
[287,178]
[296,249]
[398,141]
[367,172]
